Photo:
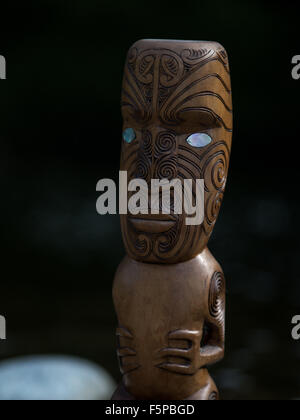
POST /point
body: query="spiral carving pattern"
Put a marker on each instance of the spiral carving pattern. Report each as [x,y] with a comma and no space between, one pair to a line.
[142,169]
[171,91]
[168,94]
[166,168]
[143,245]
[217,297]
[165,143]
[215,167]
[143,165]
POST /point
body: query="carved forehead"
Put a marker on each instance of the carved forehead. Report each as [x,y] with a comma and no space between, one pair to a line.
[183,53]
[170,79]
[177,46]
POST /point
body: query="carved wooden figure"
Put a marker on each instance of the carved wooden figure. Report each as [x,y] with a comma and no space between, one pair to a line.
[169,292]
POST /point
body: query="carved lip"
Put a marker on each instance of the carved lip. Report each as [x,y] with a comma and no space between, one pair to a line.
[152,223]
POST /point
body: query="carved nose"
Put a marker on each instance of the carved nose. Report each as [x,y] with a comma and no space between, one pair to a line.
[165,155]
[157,155]
[145,157]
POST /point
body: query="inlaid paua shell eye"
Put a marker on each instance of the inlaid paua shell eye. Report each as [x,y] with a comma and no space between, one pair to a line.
[199,140]
[129,135]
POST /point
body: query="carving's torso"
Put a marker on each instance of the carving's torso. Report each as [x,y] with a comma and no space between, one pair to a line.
[161,359]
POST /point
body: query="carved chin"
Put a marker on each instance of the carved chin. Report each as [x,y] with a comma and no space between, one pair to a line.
[161,238]
[151,237]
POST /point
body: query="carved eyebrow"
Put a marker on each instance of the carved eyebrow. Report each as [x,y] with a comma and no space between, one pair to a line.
[129,113]
[181,92]
[193,120]
[219,121]
[204,93]
[218,108]
[127,107]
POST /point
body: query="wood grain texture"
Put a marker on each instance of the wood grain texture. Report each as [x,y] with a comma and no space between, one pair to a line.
[173,89]
[171,325]
[169,291]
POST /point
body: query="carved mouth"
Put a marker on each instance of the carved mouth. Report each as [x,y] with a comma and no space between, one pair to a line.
[152,223]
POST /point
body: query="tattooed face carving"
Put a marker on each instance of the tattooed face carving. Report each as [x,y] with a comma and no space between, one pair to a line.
[177,123]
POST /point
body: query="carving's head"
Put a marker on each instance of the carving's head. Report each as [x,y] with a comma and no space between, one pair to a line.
[177,113]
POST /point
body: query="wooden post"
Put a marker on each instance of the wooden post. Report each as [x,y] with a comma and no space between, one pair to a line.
[169,291]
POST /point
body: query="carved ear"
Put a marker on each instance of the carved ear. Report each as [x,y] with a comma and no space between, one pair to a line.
[212,343]
[214,328]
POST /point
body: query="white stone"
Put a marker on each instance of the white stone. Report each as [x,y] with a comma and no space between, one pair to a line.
[54,378]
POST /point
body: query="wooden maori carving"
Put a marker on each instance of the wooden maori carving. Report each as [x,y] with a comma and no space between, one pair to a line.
[169,291]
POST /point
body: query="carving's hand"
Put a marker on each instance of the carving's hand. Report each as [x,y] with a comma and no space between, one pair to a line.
[190,355]
[126,354]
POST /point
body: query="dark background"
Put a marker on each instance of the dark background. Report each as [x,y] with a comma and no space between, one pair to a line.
[60,133]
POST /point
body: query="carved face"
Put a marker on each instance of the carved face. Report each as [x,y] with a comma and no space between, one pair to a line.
[176,107]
